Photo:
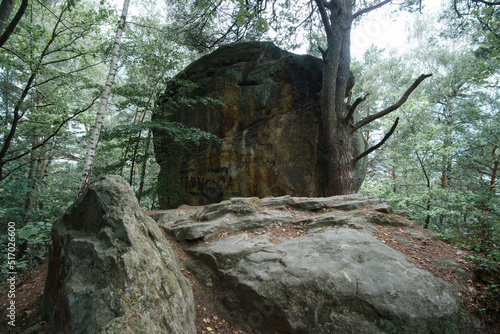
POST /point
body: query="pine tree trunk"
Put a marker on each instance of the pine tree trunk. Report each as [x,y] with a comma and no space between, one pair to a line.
[96,132]
[394,178]
[336,128]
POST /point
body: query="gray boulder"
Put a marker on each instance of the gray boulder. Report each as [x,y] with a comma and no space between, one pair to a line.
[330,281]
[111,270]
[325,272]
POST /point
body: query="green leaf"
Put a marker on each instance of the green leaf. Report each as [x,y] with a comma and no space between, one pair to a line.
[23,234]
[240,18]
[488,10]
[261,24]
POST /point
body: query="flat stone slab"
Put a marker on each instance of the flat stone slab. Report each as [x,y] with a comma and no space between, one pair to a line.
[333,280]
[331,277]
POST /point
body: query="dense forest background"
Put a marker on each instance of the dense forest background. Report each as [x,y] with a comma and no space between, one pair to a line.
[440,164]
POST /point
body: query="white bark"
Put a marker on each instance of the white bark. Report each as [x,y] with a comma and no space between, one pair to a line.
[96,132]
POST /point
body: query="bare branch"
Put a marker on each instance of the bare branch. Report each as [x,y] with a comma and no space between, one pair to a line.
[52,135]
[373,148]
[295,28]
[17,117]
[12,26]
[393,107]
[65,74]
[324,17]
[489,3]
[356,103]
[369,9]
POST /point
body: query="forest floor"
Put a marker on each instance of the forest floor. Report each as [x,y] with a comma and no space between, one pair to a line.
[476,289]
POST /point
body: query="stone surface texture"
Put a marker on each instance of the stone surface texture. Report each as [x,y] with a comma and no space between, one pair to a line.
[326,274]
[268,116]
[111,270]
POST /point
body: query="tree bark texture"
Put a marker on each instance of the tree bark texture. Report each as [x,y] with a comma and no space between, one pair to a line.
[337,20]
[6,7]
[336,113]
[6,32]
[144,166]
[496,162]
[96,132]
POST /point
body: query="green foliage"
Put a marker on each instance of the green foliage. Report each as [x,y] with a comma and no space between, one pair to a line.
[49,72]
[151,55]
[49,77]
[32,239]
[440,163]
[488,30]
[37,236]
[12,198]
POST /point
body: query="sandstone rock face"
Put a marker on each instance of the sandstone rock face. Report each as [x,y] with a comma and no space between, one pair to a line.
[269,120]
[111,270]
[311,265]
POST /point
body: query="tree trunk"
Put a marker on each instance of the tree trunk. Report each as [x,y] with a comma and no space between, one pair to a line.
[144,166]
[429,198]
[336,113]
[6,32]
[6,7]
[42,175]
[33,194]
[428,217]
[136,148]
[494,171]
[493,179]
[29,205]
[96,133]
[394,177]
[125,155]
[336,59]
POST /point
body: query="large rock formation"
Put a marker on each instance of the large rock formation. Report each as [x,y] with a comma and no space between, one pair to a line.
[268,116]
[111,270]
[311,265]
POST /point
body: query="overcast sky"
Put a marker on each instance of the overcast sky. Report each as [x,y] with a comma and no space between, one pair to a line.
[378,28]
[375,28]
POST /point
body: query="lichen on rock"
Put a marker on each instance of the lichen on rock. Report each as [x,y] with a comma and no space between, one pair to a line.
[111,270]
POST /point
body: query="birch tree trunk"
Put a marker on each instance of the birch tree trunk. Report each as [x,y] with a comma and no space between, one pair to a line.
[96,132]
